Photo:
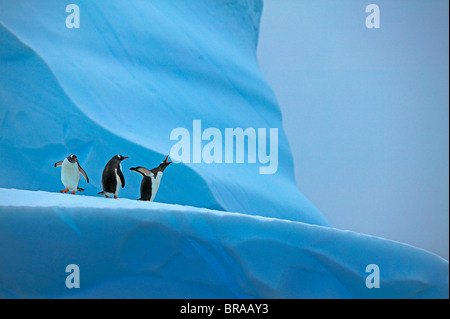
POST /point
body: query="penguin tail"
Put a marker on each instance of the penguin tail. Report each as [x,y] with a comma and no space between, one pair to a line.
[101,193]
[80,189]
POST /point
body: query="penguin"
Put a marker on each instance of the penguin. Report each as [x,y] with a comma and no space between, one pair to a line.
[112,177]
[151,179]
[70,174]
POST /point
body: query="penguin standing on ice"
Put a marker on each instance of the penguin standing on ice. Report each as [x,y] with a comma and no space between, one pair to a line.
[151,179]
[70,174]
[112,177]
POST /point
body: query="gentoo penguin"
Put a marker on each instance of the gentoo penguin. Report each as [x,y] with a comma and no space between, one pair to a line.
[70,174]
[151,179]
[112,177]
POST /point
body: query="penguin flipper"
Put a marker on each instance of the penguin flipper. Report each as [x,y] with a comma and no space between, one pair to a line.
[83,173]
[122,178]
[58,163]
[141,170]
[80,189]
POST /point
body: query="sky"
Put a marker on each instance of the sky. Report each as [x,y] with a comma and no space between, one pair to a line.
[366,112]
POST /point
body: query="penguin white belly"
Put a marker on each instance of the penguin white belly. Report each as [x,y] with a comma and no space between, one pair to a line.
[70,175]
[119,184]
[156,181]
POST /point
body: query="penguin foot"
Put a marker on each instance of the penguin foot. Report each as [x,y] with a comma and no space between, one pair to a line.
[115,197]
[106,196]
[73,193]
[65,190]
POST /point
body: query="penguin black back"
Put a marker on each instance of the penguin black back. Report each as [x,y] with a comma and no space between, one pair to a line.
[112,177]
[146,188]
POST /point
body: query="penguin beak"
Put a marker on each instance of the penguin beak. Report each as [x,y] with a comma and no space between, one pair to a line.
[125,157]
[165,161]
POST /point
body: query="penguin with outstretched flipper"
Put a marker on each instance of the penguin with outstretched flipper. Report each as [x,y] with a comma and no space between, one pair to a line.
[151,179]
[70,174]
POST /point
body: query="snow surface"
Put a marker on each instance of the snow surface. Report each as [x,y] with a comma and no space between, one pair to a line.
[134,249]
[132,73]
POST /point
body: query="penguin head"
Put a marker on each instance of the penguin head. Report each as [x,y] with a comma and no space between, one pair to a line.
[120,158]
[164,164]
[72,158]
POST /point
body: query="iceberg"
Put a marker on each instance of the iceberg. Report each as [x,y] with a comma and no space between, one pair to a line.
[120,84]
[134,249]
[123,81]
